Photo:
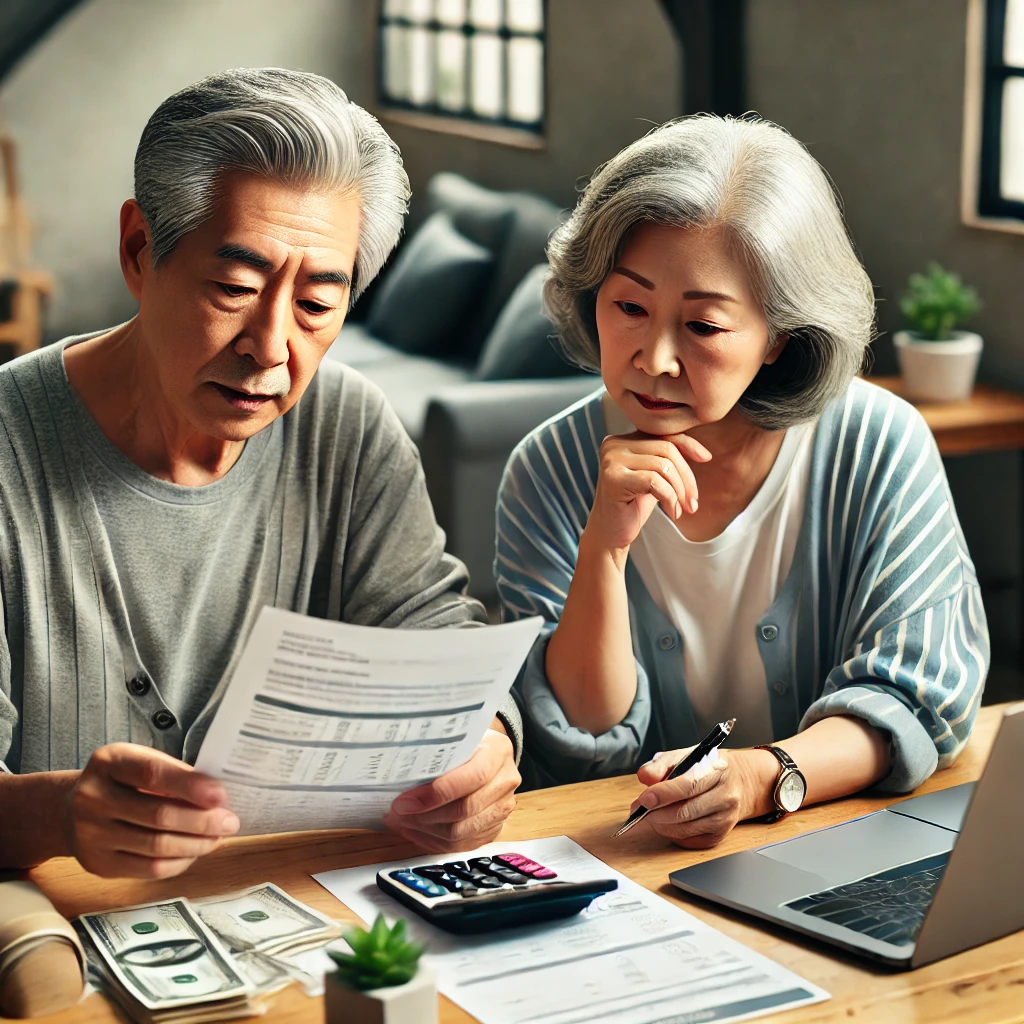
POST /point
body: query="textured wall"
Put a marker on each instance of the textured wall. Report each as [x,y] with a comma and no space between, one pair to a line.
[78,102]
[77,105]
[875,90]
[613,72]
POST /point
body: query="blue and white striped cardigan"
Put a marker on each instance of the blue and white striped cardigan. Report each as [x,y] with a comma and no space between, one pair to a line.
[880,616]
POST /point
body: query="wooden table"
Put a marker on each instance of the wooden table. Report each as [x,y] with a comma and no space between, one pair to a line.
[980,986]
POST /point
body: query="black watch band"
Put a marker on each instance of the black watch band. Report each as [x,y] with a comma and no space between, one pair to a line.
[787,768]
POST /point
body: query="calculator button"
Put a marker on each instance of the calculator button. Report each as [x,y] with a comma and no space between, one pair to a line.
[526,866]
[421,885]
[480,879]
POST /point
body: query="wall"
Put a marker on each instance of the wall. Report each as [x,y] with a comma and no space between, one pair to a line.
[875,90]
[78,102]
[613,72]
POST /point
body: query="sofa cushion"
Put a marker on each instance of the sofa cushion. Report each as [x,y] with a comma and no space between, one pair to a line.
[522,344]
[433,287]
[514,225]
[410,383]
[355,346]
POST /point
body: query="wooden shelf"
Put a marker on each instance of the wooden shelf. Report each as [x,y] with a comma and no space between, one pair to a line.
[991,420]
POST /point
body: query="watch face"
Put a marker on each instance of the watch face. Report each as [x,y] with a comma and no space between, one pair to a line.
[792,790]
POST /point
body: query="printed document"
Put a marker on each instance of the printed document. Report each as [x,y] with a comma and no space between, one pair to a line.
[325,723]
[631,957]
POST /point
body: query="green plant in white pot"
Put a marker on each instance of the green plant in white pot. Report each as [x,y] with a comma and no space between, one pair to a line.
[380,981]
[938,362]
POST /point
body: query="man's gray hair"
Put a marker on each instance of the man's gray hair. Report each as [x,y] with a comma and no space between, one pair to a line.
[754,178]
[291,126]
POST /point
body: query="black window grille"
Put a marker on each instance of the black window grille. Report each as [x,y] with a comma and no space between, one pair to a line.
[475,60]
[1001,177]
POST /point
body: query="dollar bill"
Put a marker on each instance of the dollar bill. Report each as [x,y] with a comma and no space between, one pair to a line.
[161,956]
[267,920]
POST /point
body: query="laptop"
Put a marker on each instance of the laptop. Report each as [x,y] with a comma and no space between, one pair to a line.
[916,882]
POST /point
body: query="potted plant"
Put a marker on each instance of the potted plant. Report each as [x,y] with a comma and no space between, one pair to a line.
[378,982]
[938,363]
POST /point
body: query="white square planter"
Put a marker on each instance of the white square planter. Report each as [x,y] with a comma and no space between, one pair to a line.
[415,1002]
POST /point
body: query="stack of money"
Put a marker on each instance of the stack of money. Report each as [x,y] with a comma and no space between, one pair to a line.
[162,965]
[265,919]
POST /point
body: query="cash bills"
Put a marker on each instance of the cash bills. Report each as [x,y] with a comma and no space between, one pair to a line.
[266,919]
[182,962]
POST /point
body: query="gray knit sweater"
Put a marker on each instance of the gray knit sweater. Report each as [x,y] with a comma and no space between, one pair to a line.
[127,599]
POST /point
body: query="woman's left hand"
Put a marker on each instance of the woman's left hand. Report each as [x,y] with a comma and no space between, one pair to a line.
[700,812]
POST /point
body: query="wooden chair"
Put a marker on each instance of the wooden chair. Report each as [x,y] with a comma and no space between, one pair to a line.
[22,289]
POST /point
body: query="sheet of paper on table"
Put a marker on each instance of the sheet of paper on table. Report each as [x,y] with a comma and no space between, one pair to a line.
[630,958]
[325,723]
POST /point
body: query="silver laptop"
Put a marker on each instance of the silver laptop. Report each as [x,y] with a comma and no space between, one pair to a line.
[916,882]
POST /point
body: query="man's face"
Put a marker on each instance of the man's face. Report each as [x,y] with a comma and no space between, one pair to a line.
[239,316]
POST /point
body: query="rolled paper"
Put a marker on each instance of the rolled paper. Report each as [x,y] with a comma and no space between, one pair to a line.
[42,963]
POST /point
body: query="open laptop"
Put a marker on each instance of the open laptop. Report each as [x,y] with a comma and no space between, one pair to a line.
[916,882]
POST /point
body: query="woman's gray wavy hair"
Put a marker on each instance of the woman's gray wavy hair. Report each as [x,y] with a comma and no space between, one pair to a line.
[754,178]
[291,126]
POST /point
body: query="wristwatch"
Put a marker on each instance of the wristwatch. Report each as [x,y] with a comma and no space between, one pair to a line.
[790,786]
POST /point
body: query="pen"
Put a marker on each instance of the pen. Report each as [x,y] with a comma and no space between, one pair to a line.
[713,739]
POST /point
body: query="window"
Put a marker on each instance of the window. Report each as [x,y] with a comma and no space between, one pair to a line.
[467,61]
[993,165]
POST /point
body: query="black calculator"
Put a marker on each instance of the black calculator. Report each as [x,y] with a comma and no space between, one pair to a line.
[484,894]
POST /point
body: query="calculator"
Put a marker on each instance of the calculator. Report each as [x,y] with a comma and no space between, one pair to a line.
[484,894]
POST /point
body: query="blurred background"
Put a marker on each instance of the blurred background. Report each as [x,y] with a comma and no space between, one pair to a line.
[914,107]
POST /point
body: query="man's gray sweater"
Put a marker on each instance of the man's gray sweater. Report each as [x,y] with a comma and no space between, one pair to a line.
[127,599]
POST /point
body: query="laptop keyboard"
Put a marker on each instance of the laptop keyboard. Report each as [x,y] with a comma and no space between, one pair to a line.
[889,906]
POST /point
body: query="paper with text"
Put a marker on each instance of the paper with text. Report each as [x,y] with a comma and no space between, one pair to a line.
[325,723]
[630,958]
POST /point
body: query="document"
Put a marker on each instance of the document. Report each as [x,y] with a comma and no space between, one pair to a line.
[631,957]
[323,723]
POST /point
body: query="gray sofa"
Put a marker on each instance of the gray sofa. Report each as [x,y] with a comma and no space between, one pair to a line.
[455,337]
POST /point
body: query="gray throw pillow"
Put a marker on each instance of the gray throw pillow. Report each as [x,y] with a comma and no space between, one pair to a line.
[431,291]
[522,344]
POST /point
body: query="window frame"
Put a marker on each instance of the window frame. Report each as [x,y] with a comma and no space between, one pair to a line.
[981,205]
[991,202]
[465,121]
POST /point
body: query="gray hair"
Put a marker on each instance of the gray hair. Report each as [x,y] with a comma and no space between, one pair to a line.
[291,126]
[754,178]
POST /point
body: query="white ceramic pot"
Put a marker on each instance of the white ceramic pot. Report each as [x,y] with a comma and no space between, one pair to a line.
[938,371]
[415,1002]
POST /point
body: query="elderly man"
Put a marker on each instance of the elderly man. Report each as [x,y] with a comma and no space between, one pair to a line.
[162,481]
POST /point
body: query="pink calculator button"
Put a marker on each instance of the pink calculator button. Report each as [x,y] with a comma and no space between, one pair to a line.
[526,866]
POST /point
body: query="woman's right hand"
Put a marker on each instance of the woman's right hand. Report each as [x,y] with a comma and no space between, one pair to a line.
[638,472]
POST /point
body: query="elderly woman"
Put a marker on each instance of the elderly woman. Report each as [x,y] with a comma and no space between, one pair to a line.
[734,526]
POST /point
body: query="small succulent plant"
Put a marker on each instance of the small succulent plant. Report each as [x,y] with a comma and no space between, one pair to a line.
[380,957]
[936,302]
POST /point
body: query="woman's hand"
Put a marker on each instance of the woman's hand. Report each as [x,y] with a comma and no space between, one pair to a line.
[636,473]
[701,812]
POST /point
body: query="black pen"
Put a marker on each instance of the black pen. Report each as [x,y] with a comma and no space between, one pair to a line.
[715,738]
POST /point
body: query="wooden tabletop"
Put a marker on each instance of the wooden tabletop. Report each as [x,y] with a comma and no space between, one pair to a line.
[992,419]
[980,986]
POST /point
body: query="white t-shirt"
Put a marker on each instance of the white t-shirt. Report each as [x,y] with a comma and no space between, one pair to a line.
[714,592]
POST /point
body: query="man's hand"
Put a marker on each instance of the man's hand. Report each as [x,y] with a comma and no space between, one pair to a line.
[465,807]
[136,812]
[698,813]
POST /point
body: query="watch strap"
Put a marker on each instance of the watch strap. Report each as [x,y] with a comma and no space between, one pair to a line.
[786,766]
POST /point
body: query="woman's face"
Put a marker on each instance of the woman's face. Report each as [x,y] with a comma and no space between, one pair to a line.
[681,333]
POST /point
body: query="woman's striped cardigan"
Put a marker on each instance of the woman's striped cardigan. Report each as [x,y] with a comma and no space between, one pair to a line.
[880,616]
